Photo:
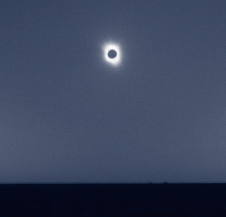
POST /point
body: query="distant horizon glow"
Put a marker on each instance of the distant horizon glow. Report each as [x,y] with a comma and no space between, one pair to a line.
[113,61]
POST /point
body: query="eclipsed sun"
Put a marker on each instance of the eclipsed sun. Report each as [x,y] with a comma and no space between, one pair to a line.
[112,54]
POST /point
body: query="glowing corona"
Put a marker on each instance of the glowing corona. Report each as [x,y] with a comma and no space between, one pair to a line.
[113,61]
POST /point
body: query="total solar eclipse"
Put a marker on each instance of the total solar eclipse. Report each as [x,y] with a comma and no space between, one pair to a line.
[112,54]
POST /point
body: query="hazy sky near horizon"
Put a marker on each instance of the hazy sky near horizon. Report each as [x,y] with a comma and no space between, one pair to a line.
[67,116]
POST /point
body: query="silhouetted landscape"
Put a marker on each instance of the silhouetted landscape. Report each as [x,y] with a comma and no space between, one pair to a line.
[187,200]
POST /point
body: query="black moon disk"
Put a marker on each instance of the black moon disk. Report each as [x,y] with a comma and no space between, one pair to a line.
[112,54]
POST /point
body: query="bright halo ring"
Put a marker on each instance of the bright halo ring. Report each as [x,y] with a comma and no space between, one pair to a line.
[113,61]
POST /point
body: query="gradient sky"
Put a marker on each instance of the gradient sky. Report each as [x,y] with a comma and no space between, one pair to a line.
[66,116]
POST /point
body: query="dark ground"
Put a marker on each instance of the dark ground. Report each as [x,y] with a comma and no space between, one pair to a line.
[184,200]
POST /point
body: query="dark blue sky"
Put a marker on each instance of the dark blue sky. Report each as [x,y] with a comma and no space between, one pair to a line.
[68,116]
